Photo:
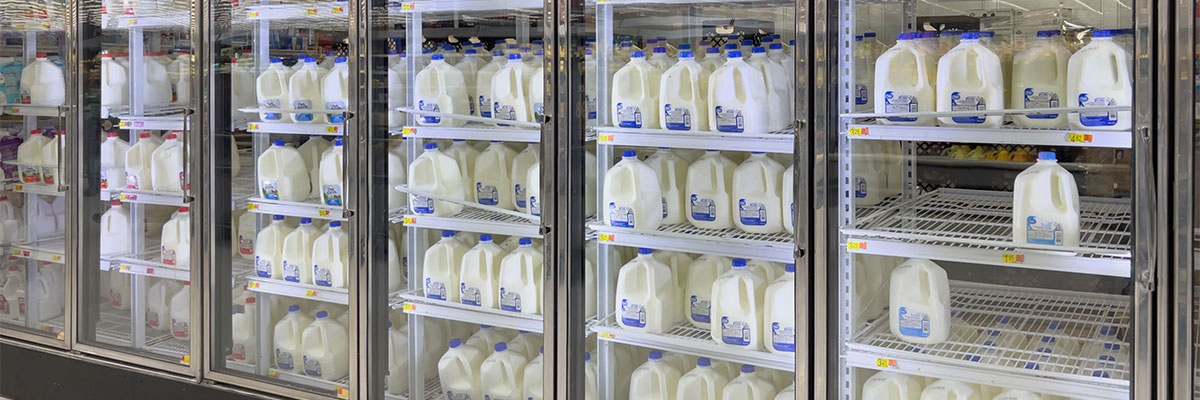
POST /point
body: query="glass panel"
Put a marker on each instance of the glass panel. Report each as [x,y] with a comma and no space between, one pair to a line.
[983,188]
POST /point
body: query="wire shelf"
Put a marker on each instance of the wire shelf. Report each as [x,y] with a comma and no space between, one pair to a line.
[684,237]
[432,390]
[415,302]
[475,220]
[687,339]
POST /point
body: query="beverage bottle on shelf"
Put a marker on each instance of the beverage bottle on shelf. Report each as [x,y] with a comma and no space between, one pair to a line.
[465,155]
[788,204]
[1099,75]
[756,191]
[502,374]
[246,235]
[521,163]
[671,171]
[304,91]
[158,304]
[335,91]
[591,91]
[42,83]
[737,315]
[510,91]
[50,157]
[779,324]
[750,385]
[697,294]
[311,151]
[29,155]
[492,176]
[114,82]
[483,83]
[892,386]
[242,89]
[776,53]
[708,186]
[180,313]
[119,289]
[647,295]
[397,175]
[945,389]
[437,173]
[654,379]
[660,58]
[244,336]
[635,91]
[11,226]
[632,194]
[527,343]
[441,88]
[167,166]
[469,66]
[268,249]
[683,92]
[532,382]
[920,302]
[779,91]
[871,172]
[397,372]
[282,174]
[112,161]
[536,92]
[332,177]
[520,280]
[12,295]
[295,250]
[679,264]
[681,362]
[328,60]
[905,79]
[442,263]
[331,256]
[272,89]
[397,77]
[458,370]
[176,240]
[738,97]
[157,88]
[1046,205]
[963,88]
[486,337]
[864,76]
[1040,81]
[325,348]
[180,72]
[701,383]
[533,179]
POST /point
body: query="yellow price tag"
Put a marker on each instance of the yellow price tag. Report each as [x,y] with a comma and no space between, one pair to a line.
[322,213]
[252,206]
[133,22]
[125,267]
[608,335]
[407,6]
[56,258]
[21,27]
[885,363]
[254,14]
[331,129]
[606,237]
[343,392]
[410,220]
[272,373]
[409,307]
[253,127]
[311,11]
[18,187]
[408,131]
[252,285]
[16,110]
[1079,138]
[604,138]
[859,131]
[310,293]
[856,245]
[16,252]
[339,10]
[1011,258]
[185,359]
[124,124]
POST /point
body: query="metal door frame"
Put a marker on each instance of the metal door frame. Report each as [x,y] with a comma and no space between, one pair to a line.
[1177,326]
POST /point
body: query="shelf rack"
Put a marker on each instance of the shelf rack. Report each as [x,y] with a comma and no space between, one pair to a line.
[475,220]
[27,110]
[141,264]
[295,209]
[766,142]
[684,237]
[298,290]
[1004,135]
[414,302]
[291,128]
[47,250]
[152,197]
[471,131]
[686,339]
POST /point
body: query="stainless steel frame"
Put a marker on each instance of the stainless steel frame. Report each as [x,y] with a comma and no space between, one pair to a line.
[1178,356]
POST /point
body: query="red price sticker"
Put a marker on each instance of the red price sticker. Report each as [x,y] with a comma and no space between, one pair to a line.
[856,245]
[1010,258]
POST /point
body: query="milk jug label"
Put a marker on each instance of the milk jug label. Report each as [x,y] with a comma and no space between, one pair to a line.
[48,175]
[752,213]
[4,304]
[860,94]
[730,120]
[114,298]
[633,314]
[104,178]
[736,333]
[678,118]
[510,301]
[333,194]
[270,189]
[435,289]
[239,351]
[700,309]
[336,118]
[168,255]
[487,194]
[620,216]
[783,338]
[245,245]
[591,106]
[958,102]
[900,103]
[1043,232]
[322,276]
[520,193]
[484,110]
[131,181]
[283,360]
[1036,99]
[152,318]
[179,328]
[303,105]
[469,295]
[25,93]
[262,267]
[291,272]
[703,209]
[457,396]
[664,207]
[913,324]
[312,367]
[629,116]
[31,174]
[271,103]
[539,112]
[432,107]
[1099,118]
[422,204]
[503,111]
[860,187]
[535,207]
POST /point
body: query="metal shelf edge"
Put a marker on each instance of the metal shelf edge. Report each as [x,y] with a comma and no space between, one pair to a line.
[662,342]
[1018,258]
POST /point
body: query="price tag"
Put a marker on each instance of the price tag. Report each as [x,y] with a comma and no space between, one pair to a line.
[18,187]
[343,392]
[856,245]
[1011,258]
[408,131]
[254,14]
[253,127]
[339,10]
[410,220]
[409,307]
[605,138]
[1079,138]
[859,131]
[252,285]
[310,293]
[885,363]
[61,335]
[606,237]
[608,336]
[252,206]
[21,27]
[124,124]
[272,373]
[186,359]
[132,21]
[407,6]
[331,129]
[16,252]
[311,11]
[16,110]
[322,213]
[124,268]
[56,258]
[149,271]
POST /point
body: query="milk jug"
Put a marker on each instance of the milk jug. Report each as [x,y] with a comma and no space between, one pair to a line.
[684,95]
[114,231]
[737,315]
[945,389]
[12,295]
[335,91]
[180,310]
[480,273]
[864,75]
[29,155]
[521,163]
[905,77]
[397,370]
[779,91]
[632,194]
[397,76]
[245,332]
[751,385]
[158,304]
[892,386]
[679,263]
[114,82]
[311,150]
[920,302]
[701,383]
[656,379]
[537,93]
[521,279]
[295,251]
[243,91]
[246,235]
[756,187]
[788,205]
[168,175]
[483,83]
[112,162]
[708,186]
[157,88]
[50,157]
[635,90]
[510,92]
[712,60]
[1046,205]
[437,173]
[970,78]
[738,97]
[469,66]
[870,170]
[660,58]
[532,383]
[502,374]
[1098,75]
[181,81]
[281,173]
[697,293]
[11,229]
[486,337]
[325,348]
[779,322]
[442,263]
[331,257]
[273,86]
[646,295]
[304,91]
[492,176]
[441,88]
[43,83]
[1039,76]
[1018,394]
[119,292]
[176,240]
[671,171]
[397,175]
[458,371]
[268,249]
[526,343]
[331,175]
[465,155]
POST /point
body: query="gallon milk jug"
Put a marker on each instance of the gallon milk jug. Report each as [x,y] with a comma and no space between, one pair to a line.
[480,274]
[509,91]
[750,385]
[245,332]
[157,88]
[756,187]
[273,87]
[779,322]
[12,295]
[268,249]
[397,175]
[29,155]
[437,173]
[1039,76]
[325,348]
[1098,75]
[465,155]
[441,88]
[442,263]
[712,60]
[788,205]
[167,168]
[45,294]
[701,383]
[397,91]
[1018,394]
[646,295]
[697,292]
[635,89]
[737,315]
[288,332]
[304,92]
[114,82]
[246,235]
[671,170]
[331,256]
[889,385]
[114,230]
[331,175]
[1046,205]
[397,372]
[335,91]
[43,83]
[492,178]
[656,379]
[684,95]
[502,374]
[526,343]
[243,90]
[180,313]
[281,173]
[158,304]
[176,240]
[181,70]
[537,93]
[119,289]
[920,302]
[521,279]
[738,97]
[112,162]
[328,60]
[483,83]
[486,337]
[864,76]
[458,370]
[296,251]
[311,151]
[945,389]
[708,186]
[870,172]
[469,66]
[779,91]
[532,382]
[660,58]
[11,227]
[905,77]
[50,157]
[632,194]
[520,175]
[970,78]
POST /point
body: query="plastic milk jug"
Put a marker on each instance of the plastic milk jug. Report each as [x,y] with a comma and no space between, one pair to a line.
[779,322]
[311,150]
[708,186]
[273,87]
[526,343]
[441,88]
[697,293]
[50,156]
[738,97]
[469,66]
[483,83]
[779,90]
[702,382]
[458,371]
[12,295]
[635,90]
[158,304]
[296,251]
[331,178]
[158,83]
[671,170]
[112,162]
[397,373]
[945,389]
[330,257]
[114,82]
[268,248]
[920,302]
[679,263]
[180,71]
[510,92]
[325,348]
[537,93]
[1018,394]
[892,386]
[1039,75]
[304,92]
[521,279]
[788,205]
[11,227]
[486,337]
[114,230]
[168,175]
[29,154]
[756,187]
[655,379]
[281,173]
[442,263]
[176,240]
[660,58]
[904,82]
[246,235]
[1099,75]
[870,172]
[335,91]
[43,83]
[465,155]
[244,327]
[737,315]
[970,78]
[502,374]
[492,176]
[750,385]
[397,175]
[712,60]
[864,76]
[1046,205]
[532,382]
[521,163]
[119,291]
[480,274]
[243,93]
[437,173]
[180,313]
[632,194]
[684,95]
[646,295]
[397,77]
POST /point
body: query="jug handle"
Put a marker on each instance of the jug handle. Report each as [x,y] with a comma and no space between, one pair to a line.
[922,69]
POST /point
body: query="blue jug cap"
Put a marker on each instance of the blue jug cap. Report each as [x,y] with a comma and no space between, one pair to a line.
[469,51]
[739,262]
[776,46]
[987,34]
[686,54]
[276,60]
[447,233]
[643,250]
[277,217]
[293,308]
[660,50]
[1050,33]
[487,237]
[438,57]
[454,343]
[322,314]
[747,369]
[868,34]
[335,224]
[514,56]
[685,46]
[277,142]
[629,153]
[735,54]
[501,346]
[1047,155]
[790,268]
[757,50]
[638,54]
[731,46]
[747,42]
[430,146]
[970,36]
[305,221]
[655,355]
[703,362]
[712,50]
[525,242]
[339,60]
[337,142]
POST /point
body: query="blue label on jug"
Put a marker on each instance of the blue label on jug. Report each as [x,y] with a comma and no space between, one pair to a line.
[322,276]
[338,117]
[422,204]
[469,295]
[1043,232]
[913,324]
[1097,118]
[860,94]
[735,333]
[1036,99]
[510,301]
[535,208]
[312,367]
[677,118]
[283,360]
[484,110]
[703,209]
[487,194]
[752,213]
[430,107]
[700,309]
[629,116]
[332,194]
[730,120]
[783,338]
[591,106]
[900,103]
[291,272]
[519,193]
[958,102]
[262,267]
[302,105]
[620,216]
[271,103]
[435,289]
[504,111]
[270,188]
[633,315]
[860,187]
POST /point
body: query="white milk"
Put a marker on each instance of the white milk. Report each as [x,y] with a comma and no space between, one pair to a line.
[288,340]
[697,293]
[683,94]
[887,385]
[281,173]
[510,92]
[532,383]
[246,235]
[331,257]
[458,371]
[647,295]
[632,194]
[521,163]
[325,348]
[50,157]
[486,337]
[397,372]
[331,176]
[503,373]
[296,251]
[527,343]
[112,162]
[114,231]
[779,89]
[244,325]
[335,91]
[441,88]
[304,92]
[12,295]
[788,204]
[870,169]
[537,93]
[945,389]
[42,83]
[671,170]
[157,87]
[779,322]
[480,274]
[738,97]
[397,175]
[963,88]
[1039,75]
[756,187]
[737,315]
[469,66]
[158,304]
[708,186]
[176,240]
[181,71]
[167,166]
[11,229]
[905,77]
[442,263]
[1018,394]
[483,83]
[864,76]
[180,313]
[660,58]
[712,60]
[437,173]
[750,385]
[533,180]
[465,155]
[656,379]
[635,90]
[138,161]
[492,178]
[521,279]
[273,87]
[119,291]
[1099,75]
[328,60]
[45,294]
[29,154]
[114,82]
[701,383]
[397,77]
[311,151]
[920,302]
[268,249]
[243,88]
[1046,205]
